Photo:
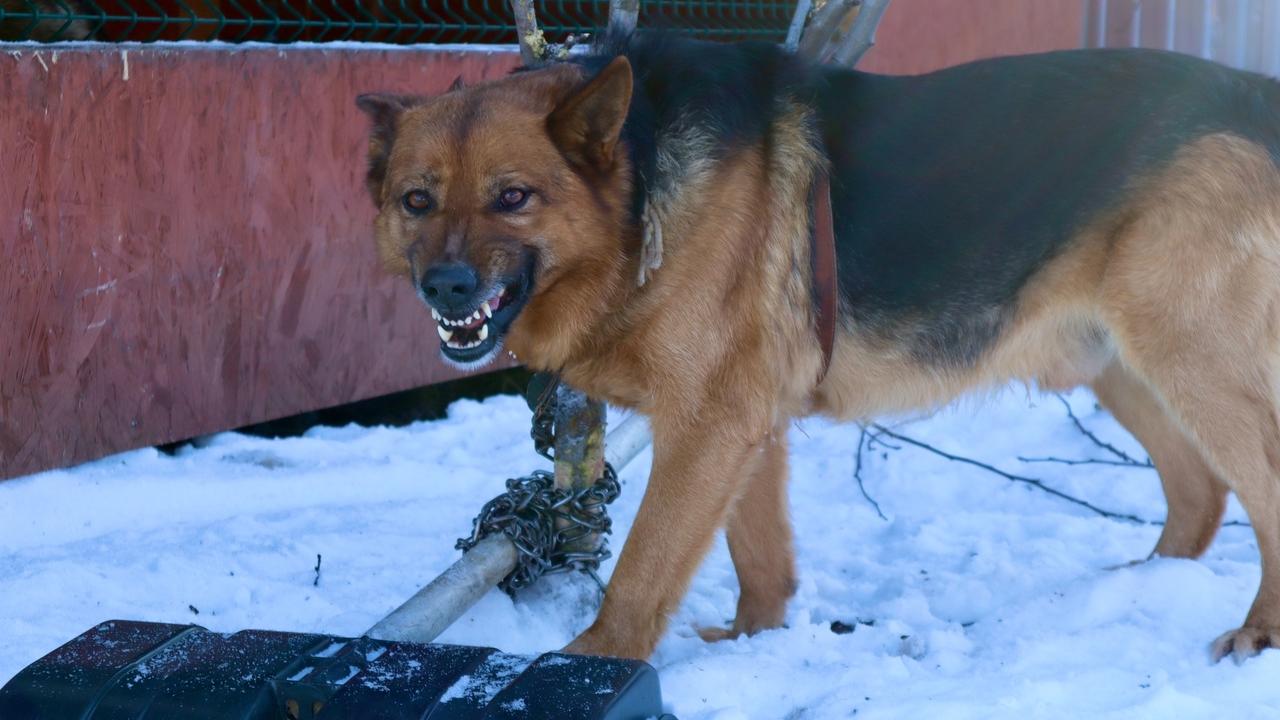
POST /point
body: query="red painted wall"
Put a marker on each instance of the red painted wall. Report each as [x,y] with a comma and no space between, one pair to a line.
[186,243]
[917,36]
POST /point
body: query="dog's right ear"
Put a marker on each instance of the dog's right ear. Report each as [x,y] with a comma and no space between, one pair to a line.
[384,109]
[586,126]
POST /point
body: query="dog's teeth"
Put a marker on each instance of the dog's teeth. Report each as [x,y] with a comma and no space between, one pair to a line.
[485,307]
[435,314]
[474,316]
[444,334]
[484,332]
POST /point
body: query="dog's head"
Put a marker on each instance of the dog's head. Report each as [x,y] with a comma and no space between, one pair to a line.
[505,203]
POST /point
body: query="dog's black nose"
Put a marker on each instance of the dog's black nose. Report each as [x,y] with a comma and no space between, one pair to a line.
[450,287]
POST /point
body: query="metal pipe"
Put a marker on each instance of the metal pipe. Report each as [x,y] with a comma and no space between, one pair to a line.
[624,443]
[435,607]
[438,605]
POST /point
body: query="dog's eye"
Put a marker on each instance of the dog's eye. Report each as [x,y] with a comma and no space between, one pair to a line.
[512,199]
[417,201]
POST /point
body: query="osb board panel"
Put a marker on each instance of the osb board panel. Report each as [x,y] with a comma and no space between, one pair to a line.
[186,243]
[917,36]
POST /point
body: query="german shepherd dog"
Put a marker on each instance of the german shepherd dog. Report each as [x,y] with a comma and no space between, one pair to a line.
[638,219]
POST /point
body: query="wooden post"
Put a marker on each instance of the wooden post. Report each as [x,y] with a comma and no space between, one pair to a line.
[435,607]
[533,45]
[623,14]
[797,24]
[580,438]
[839,31]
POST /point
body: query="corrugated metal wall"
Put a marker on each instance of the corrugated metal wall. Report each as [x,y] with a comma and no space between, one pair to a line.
[1240,33]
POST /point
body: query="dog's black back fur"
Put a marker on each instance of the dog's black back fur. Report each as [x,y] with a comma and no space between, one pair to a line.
[951,189]
[731,93]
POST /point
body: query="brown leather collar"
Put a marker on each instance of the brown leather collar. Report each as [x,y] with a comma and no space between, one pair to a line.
[822,256]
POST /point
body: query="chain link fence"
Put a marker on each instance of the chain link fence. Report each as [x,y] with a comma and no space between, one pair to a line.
[401,22]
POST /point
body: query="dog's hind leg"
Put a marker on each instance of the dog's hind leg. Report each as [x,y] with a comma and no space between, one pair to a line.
[1195,495]
[1191,295]
[1229,409]
[759,535]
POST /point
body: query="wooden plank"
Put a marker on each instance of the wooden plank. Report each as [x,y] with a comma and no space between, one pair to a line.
[187,243]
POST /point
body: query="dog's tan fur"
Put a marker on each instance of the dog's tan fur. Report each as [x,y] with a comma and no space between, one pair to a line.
[1169,307]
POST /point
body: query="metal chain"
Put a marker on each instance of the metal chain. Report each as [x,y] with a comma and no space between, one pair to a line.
[543,520]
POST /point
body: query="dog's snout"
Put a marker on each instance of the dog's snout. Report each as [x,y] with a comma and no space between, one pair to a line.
[450,286]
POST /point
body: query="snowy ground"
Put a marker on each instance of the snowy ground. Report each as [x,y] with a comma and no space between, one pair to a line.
[988,598]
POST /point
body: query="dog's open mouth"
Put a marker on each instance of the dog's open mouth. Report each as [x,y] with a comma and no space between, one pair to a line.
[472,340]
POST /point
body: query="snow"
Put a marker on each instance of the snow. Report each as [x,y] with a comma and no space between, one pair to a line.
[977,598]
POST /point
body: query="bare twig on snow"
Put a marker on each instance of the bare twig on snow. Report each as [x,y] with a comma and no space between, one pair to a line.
[1097,440]
[1088,461]
[857,474]
[1033,482]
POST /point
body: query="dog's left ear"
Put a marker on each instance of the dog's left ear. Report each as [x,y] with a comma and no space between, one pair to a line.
[587,125]
[384,109]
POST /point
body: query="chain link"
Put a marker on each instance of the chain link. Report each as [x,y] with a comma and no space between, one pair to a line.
[542,520]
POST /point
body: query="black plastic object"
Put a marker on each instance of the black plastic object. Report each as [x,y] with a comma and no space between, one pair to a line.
[122,670]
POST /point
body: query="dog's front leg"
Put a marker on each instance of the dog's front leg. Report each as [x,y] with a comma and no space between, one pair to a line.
[698,468]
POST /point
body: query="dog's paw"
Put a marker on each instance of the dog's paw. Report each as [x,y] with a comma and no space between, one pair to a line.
[1243,643]
[716,634]
[587,644]
[596,643]
[742,625]
[1133,563]
[1127,565]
